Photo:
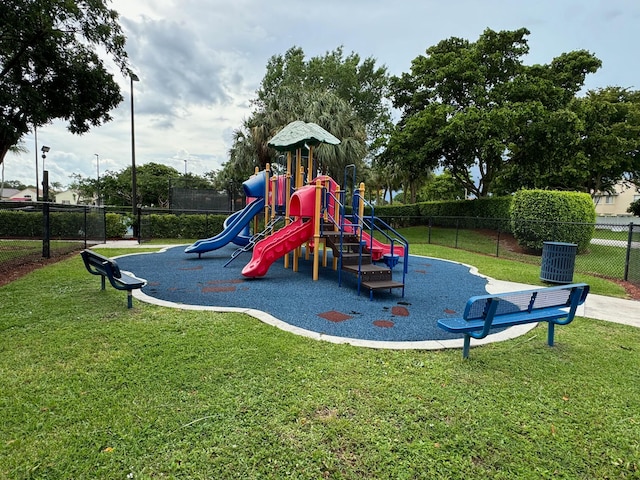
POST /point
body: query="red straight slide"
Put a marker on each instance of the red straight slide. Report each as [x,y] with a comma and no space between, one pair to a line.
[275,246]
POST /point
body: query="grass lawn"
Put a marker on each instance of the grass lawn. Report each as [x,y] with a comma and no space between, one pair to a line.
[90,389]
[463,246]
[20,250]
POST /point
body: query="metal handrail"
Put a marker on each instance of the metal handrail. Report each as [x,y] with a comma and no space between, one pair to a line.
[370,222]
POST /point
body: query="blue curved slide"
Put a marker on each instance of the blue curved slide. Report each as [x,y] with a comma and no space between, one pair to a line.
[233,229]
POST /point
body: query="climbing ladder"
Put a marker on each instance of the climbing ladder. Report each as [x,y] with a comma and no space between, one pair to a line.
[256,238]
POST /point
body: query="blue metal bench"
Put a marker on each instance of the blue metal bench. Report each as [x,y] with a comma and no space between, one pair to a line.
[97,264]
[554,305]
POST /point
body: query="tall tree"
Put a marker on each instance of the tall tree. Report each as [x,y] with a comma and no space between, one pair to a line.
[154,181]
[344,95]
[359,82]
[468,104]
[610,142]
[50,67]
[441,187]
[322,107]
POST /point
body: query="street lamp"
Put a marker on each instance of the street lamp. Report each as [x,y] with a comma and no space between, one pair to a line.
[44,150]
[35,139]
[98,178]
[134,78]
[185,166]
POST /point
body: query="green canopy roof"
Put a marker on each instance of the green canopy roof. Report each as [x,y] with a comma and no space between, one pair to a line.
[298,134]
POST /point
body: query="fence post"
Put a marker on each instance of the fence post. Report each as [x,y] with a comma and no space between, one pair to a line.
[498,243]
[457,229]
[137,222]
[628,256]
[46,225]
[104,223]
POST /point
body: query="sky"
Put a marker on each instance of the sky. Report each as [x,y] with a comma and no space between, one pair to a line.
[200,63]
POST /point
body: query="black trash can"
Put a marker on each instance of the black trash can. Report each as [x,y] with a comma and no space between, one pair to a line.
[558,262]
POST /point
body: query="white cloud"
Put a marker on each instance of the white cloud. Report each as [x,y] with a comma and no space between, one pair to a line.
[200,63]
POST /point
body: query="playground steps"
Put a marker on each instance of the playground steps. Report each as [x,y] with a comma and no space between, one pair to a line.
[374,277]
[371,276]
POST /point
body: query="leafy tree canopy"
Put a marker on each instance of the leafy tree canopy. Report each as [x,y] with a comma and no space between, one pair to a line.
[359,82]
[470,106]
[610,141]
[153,181]
[344,95]
[50,68]
[441,187]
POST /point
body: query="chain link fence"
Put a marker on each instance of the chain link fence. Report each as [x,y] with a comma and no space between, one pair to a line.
[614,250]
[32,231]
[632,271]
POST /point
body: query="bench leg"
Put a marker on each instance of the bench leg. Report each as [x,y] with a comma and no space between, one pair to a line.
[466,346]
[129,299]
[102,278]
[550,333]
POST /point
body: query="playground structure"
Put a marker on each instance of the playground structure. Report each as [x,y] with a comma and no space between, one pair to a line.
[314,214]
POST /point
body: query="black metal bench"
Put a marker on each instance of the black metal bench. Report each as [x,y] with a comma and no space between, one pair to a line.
[97,264]
[554,305]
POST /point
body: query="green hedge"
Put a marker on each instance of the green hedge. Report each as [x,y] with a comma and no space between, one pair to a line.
[491,212]
[490,207]
[543,215]
[183,226]
[62,225]
[66,225]
[397,216]
[23,224]
[117,225]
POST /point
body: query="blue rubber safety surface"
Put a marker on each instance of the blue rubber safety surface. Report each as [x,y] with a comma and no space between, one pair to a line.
[433,289]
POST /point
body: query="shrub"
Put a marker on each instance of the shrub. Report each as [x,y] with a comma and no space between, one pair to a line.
[117,225]
[397,216]
[185,226]
[634,208]
[490,212]
[16,223]
[538,216]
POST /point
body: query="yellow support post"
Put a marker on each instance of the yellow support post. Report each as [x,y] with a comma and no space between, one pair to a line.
[316,230]
[287,199]
[298,183]
[310,170]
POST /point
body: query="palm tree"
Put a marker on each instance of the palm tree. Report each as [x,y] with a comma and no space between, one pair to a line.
[322,107]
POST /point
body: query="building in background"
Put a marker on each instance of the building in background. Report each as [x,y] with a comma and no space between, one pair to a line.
[616,204]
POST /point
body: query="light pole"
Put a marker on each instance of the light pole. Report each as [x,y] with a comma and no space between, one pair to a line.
[134,78]
[35,139]
[98,178]
[185,166]
[44,150]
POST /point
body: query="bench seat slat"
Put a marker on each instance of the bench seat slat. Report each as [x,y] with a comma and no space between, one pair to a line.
[482,313]
[460,325]
[126,282]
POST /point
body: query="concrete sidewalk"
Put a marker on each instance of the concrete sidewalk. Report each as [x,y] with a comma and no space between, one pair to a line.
[599,307]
